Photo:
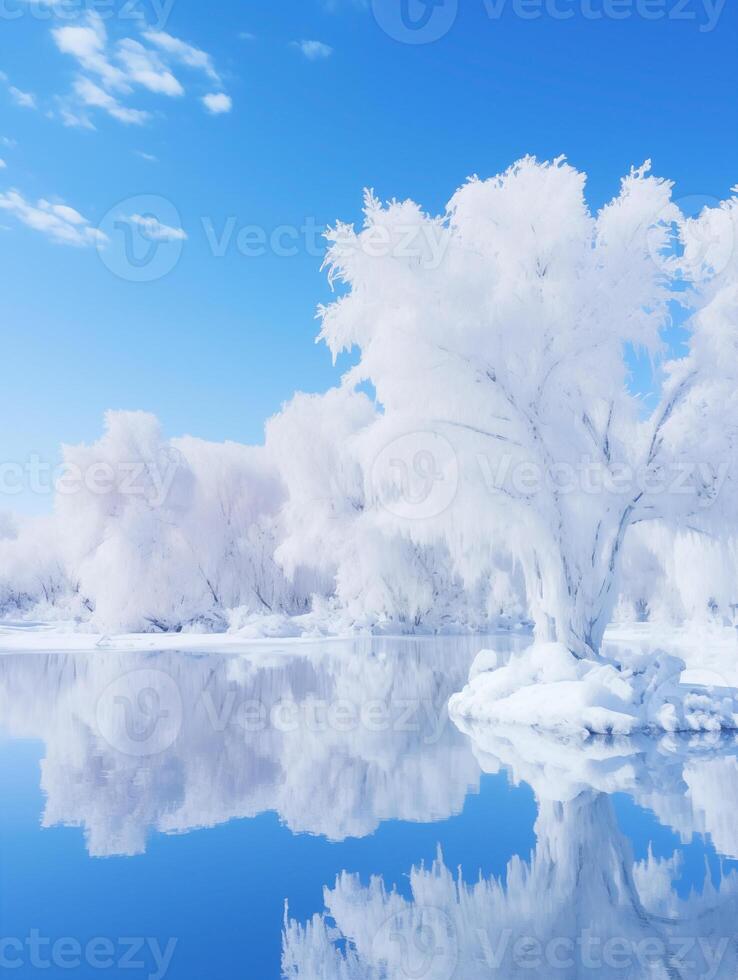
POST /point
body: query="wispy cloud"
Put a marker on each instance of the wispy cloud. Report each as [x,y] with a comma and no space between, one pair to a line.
[111,71]
[88,45]
[246,36]
[58,222]
[92,95]
[149,157]
[24,99]
[314,50]
[145,68]
[155,230]
[217,103]
[183,52]
[3,164]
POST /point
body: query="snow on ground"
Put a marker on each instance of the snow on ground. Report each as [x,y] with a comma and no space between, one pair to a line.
[18,636]
[651,680]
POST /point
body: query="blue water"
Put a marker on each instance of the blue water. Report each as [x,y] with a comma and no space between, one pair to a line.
[161,810]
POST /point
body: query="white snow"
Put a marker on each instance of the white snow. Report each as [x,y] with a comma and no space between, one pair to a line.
[484,463]
[640,690]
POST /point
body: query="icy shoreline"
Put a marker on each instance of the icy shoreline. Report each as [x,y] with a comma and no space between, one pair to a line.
[660,678]
[266,631]
[643,690]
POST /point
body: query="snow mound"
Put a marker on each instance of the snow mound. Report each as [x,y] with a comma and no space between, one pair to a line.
[547,687]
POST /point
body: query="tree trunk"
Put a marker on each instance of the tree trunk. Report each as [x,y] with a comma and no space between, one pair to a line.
[572,596]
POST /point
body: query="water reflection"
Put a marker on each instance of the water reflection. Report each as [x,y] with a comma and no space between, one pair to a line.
[340,737]
[581,905]
[335,738]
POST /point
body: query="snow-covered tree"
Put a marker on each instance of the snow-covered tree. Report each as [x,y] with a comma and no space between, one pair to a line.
[377,574]
[33,575]
[498,338]
[161,534]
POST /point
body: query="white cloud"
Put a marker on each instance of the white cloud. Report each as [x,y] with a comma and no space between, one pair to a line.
[24,99]
[155,231]
[145,68]
[185,53]
[149,157]
[60,223]
[88,45]
[314,50]
[246,36]
[111,71]
[74,116]
[3,164]
[96,97]
[217,103]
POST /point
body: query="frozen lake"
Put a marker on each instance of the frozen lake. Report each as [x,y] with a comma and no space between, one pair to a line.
[309,810]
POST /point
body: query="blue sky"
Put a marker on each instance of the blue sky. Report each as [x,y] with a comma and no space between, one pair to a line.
[220,342]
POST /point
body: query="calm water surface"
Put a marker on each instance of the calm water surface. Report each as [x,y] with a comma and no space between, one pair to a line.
[310,811]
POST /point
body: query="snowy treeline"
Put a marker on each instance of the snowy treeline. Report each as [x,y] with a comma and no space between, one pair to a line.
[156,534]
[501,470]
[222,533]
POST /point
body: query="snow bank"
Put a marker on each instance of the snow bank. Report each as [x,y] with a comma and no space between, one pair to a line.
[548,688]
